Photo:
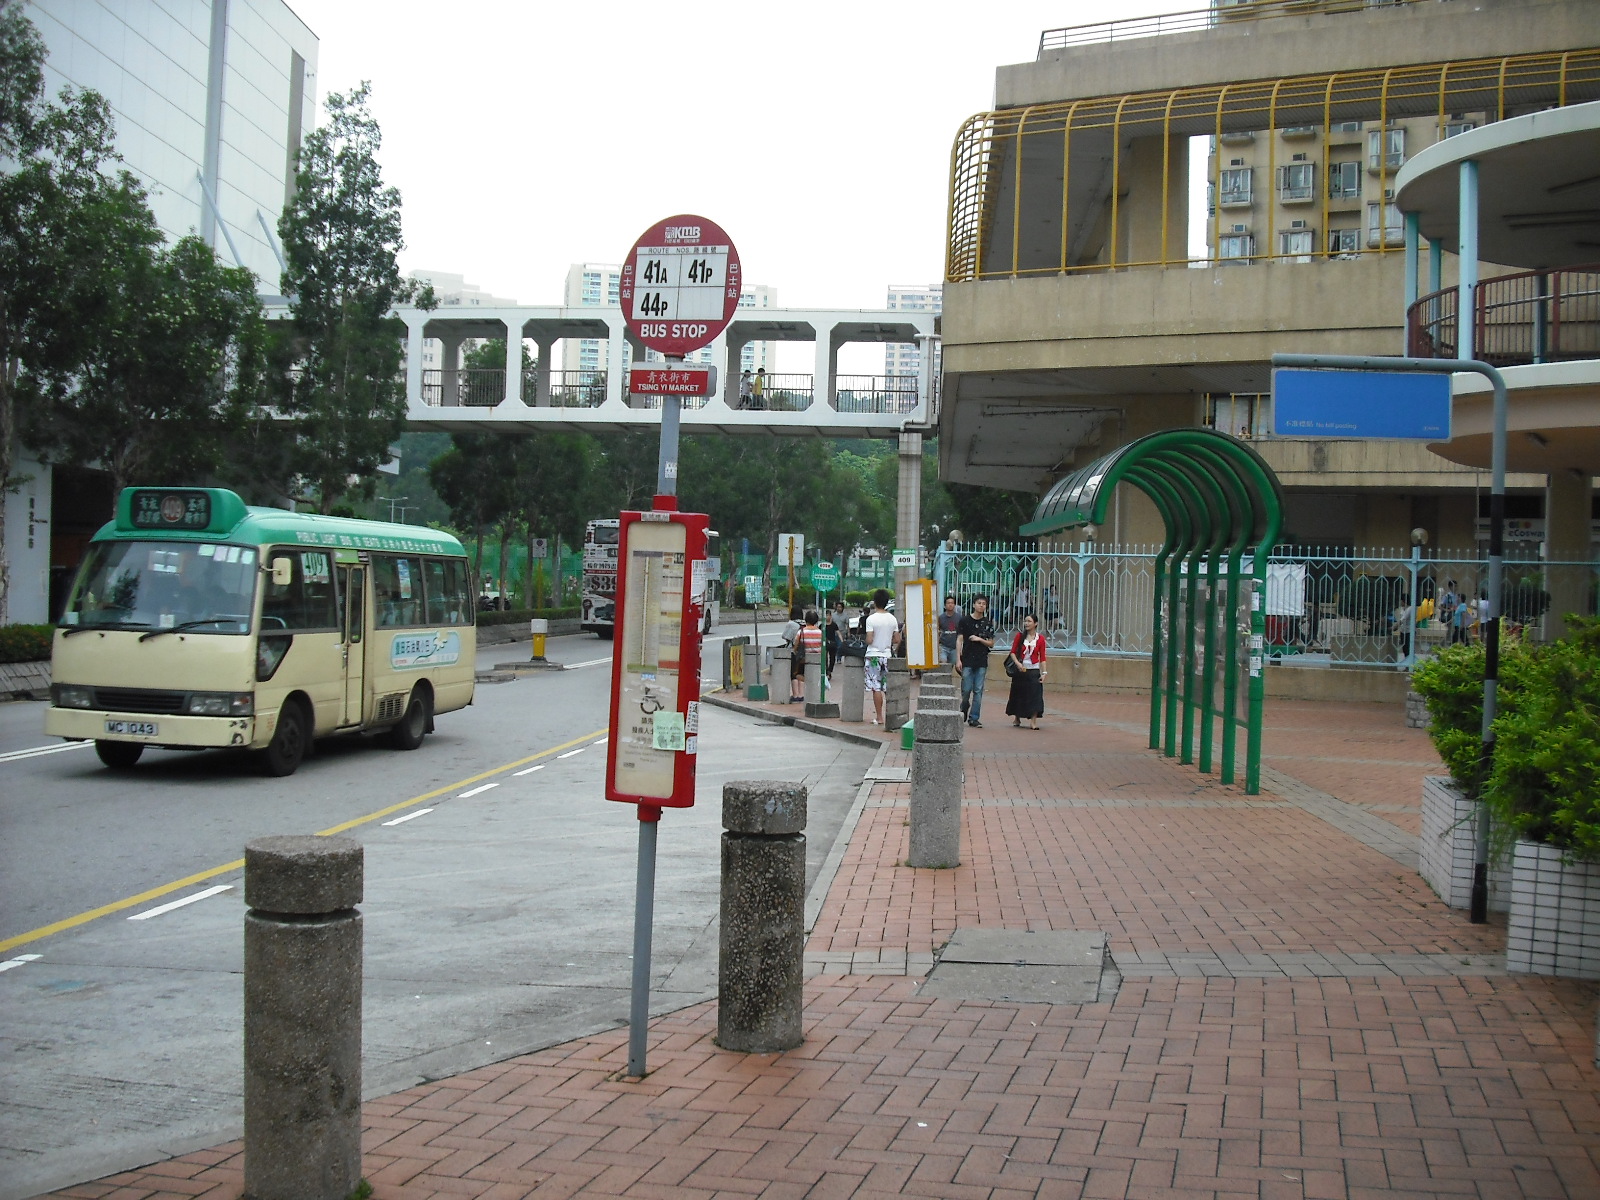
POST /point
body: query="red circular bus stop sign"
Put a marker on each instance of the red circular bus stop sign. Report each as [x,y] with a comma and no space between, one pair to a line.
[680,285]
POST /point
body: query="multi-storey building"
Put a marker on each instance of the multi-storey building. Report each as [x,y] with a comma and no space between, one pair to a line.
[211,101]
[1079,314]
[905,358]
[453,291]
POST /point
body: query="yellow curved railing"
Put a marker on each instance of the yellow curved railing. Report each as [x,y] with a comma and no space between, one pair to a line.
[1008,164]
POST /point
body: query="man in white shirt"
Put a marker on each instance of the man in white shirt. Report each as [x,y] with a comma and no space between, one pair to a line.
[883,635]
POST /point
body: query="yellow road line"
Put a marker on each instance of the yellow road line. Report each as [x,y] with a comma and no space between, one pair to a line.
[105,910]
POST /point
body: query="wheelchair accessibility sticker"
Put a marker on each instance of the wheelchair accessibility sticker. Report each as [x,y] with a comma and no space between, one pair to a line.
[424,650]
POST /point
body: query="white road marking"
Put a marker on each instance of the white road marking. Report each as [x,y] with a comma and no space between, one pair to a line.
[480,788]
[570,753]
[19,960]
[593,662]
[600,741]
[166,908]
[531,770]
[410,816]
[36,751]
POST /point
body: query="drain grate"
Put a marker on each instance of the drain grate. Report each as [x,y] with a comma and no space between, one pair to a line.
[1055,967]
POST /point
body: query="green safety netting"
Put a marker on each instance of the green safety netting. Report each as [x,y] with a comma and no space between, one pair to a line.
[1223,509]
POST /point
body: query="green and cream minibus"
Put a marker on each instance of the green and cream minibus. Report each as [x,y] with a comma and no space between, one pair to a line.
[196,621]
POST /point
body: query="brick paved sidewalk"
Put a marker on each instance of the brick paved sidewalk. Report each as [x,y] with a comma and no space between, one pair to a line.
[1292,1013]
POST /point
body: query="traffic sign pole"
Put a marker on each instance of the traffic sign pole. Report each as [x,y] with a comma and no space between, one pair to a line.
[679,290]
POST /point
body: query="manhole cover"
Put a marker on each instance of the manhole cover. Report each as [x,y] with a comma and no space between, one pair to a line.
[1057,967]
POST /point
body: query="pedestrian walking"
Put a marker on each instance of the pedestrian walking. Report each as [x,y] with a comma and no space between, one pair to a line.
[797,658]
[838,631]
[745,389]
[949,619]
[758,389]
[883,637]
[1025,665]
[809,645]
[974,640]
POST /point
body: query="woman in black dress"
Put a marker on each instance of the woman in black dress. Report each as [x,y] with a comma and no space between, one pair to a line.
[1026,701]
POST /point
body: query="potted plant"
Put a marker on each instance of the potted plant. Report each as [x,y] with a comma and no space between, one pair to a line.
[1542,790]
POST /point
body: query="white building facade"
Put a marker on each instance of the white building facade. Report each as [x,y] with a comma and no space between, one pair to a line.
[211,100]
[905,358]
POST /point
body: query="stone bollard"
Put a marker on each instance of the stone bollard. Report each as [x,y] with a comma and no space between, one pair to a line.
[815,705]
[936,777]
[1416,711]
[761,964]
[302,1018]
[896,694]
[780,685]
[753,672]
[849,685]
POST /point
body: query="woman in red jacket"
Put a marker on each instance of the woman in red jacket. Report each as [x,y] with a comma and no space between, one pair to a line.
[1027,685]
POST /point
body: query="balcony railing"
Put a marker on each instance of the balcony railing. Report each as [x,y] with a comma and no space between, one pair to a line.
[1531,317]
[472,387]
[1200,18]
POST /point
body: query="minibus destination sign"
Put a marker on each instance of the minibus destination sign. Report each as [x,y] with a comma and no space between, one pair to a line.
[168,509]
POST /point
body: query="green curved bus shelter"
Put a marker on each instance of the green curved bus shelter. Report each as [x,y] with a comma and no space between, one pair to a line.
[1223,510]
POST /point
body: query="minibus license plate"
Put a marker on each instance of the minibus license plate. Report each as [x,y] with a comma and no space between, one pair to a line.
[134,728]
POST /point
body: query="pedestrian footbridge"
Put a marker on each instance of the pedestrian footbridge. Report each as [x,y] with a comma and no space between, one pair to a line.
[822,403]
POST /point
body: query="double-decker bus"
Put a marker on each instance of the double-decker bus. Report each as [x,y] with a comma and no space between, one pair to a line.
[598,601]
[196,621]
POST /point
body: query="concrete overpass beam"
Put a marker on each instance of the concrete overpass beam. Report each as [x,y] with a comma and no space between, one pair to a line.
[513,365]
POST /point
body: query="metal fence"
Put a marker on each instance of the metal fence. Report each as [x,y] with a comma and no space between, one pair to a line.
[1529,317]
[1377,607]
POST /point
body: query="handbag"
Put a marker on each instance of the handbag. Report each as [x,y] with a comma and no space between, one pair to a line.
[1012,668]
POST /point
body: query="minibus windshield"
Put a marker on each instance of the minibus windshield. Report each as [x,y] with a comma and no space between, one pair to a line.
[199,587]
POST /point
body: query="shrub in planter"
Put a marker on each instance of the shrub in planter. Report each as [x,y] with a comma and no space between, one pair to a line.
[1546,779]
[25,643]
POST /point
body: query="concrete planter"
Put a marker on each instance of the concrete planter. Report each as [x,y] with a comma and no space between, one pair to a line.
[1445,849]
[1554,928]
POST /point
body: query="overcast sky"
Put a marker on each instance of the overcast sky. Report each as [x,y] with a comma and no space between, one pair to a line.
[527,136]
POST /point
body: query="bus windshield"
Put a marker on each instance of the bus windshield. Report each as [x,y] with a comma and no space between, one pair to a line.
[207,587]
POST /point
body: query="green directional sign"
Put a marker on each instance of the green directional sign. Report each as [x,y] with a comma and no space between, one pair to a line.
[824,577]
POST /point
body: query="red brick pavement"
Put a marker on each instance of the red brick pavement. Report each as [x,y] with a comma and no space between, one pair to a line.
[1390,1084]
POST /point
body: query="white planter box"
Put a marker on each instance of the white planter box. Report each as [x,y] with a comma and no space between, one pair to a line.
[1446,851]
[1554,927]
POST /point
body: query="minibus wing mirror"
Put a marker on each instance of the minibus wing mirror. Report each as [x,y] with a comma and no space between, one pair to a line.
[282,572]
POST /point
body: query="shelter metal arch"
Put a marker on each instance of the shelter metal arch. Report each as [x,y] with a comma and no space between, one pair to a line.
[1222,508]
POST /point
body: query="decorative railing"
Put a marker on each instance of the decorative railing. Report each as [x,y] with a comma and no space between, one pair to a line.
[1199,18]
[1530,317]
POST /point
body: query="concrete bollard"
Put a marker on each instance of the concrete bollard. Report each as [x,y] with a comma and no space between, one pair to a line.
[815,705]
[896,694]
[761,963]
[781,688]
[753,672]
[849,684]
[302,1018]
[936,777]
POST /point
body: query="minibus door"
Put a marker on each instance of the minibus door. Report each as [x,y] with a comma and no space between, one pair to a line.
[354,591]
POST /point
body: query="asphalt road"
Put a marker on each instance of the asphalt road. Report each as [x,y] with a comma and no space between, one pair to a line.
[498,911]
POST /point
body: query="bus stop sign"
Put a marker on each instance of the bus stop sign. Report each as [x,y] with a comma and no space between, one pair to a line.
[680,285]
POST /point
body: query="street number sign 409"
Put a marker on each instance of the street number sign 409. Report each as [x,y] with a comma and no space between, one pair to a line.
[680,285]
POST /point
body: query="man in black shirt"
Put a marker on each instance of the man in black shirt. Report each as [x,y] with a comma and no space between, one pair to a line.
[974,640]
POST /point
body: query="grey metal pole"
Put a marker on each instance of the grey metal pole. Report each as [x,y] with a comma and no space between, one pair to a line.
[1497,522]
[644,904]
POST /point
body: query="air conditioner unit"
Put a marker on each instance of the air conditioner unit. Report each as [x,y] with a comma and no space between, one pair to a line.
[1236,162]
[1297,225]
[1241,229]
[1299,158]
[1388,193]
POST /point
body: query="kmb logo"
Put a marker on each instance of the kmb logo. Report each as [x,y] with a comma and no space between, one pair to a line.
[683,233]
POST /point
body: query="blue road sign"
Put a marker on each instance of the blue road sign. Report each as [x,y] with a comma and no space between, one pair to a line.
[1361,404]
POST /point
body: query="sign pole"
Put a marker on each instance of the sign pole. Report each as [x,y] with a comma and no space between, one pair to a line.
[678,291]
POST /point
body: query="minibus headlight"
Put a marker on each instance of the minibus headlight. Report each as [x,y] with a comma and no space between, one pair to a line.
[221,704]
[68,695]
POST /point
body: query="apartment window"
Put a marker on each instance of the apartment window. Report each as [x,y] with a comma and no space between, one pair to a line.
[1296,244]
[1344,181]
[1345,127]
[1297,181]
[1344,241]
[1236,247]
[1386,149]
[1456,128]
[1390,232]
[1235,189]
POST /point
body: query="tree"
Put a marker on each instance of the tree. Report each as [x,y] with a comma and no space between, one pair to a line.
[158,388]
[474,478]
[341,353]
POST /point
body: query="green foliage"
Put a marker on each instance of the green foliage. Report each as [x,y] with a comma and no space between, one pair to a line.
[1546,778]
[340,356]
[25,643]
[524,615]
[1544,784]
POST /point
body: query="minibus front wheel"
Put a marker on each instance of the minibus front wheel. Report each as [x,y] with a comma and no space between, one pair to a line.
[288,745]
[119,756]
